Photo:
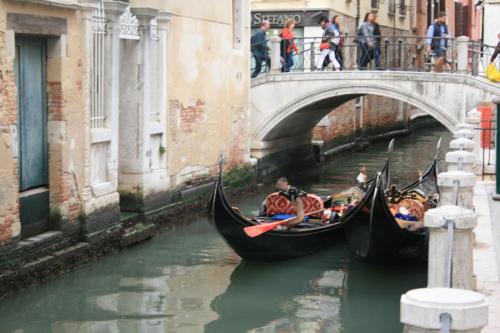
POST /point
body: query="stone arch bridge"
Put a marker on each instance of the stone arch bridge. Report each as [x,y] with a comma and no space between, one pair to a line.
[286,107]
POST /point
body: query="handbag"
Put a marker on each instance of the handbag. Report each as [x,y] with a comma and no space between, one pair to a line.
[492,73]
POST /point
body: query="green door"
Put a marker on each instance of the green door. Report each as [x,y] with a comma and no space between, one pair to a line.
[31,56]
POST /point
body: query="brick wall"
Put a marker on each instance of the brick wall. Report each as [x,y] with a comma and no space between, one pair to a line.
[378,112]
[338,124]
[55,101]
[9,205]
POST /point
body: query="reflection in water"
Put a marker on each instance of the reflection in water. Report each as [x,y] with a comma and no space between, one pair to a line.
[301,295]
[188,280]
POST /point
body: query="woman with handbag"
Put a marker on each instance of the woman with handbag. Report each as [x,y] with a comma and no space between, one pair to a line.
[332,37]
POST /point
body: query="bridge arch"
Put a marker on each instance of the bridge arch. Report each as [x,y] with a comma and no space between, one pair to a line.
[323,101]
[286,107]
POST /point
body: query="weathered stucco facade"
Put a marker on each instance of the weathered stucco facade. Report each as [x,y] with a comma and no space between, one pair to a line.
[65,134]
[110,107]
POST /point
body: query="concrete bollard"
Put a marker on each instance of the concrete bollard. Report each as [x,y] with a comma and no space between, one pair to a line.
[425,310]
[474,113]
[462,54]
[463,144]
[450,233]
[466,125]
[275,55]
[460,160]
[464,133]
[456,188]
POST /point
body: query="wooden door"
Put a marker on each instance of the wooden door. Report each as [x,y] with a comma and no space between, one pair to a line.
[31,56]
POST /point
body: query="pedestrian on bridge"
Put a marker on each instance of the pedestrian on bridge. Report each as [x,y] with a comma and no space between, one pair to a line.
[287,45]
[378,44]
[497,50]
[437,41]
[332,37]
[366,40]
[259,48]
[338,49]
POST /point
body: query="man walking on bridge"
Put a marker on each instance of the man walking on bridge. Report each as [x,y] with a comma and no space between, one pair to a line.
[259,48]
[437,41]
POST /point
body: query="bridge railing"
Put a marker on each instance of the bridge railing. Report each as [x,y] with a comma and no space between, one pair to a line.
[395,53]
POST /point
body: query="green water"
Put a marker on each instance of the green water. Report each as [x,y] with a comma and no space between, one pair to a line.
[188,280]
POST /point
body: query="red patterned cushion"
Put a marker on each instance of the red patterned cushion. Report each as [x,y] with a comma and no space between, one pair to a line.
[279,204]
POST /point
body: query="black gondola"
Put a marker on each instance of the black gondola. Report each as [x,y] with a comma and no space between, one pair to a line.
[372,230]
[273,245]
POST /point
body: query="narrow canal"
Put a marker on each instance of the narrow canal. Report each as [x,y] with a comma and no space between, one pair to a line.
[189,280]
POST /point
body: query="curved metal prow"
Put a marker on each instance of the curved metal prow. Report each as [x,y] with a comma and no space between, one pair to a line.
[377,181]
[438,147]
[387,170]
[391,147]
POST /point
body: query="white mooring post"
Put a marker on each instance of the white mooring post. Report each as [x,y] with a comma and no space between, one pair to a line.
[463,144]
[462,54]
[456,188]
[464,133]
[460,160]
[450,246]
[275,55]
[455,310]
[474,118]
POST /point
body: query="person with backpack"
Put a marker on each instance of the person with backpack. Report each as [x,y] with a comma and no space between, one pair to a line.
[258,47]
[332,37]
[437,41]
[287,45]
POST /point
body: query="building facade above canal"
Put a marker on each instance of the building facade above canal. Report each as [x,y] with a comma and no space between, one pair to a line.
[106,106]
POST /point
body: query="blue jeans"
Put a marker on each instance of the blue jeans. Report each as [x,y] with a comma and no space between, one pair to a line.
[288,62]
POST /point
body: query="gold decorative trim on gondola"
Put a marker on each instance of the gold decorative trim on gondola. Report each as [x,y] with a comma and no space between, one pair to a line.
[393,195]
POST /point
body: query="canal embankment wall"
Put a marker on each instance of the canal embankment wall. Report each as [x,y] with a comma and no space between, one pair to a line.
[37,259]
[40,258]
[340,137]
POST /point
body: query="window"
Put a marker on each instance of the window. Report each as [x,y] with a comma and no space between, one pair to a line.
[402,8]
[98,29]
[392,7]
[374,4]
[237,23]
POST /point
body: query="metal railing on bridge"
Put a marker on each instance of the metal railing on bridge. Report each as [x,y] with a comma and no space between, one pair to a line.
[394,53]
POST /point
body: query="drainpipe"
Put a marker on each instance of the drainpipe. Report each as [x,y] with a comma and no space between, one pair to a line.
[358,9]
[414,14]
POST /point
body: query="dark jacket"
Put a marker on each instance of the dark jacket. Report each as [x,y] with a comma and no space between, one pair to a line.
[259,44]
[437,41]
[497,50]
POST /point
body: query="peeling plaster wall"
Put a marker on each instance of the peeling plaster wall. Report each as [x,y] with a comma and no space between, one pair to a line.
[208,89]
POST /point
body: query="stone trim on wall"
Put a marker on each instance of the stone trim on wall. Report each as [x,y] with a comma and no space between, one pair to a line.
[36,25]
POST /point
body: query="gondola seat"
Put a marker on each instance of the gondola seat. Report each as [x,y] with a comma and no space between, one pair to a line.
[279,204]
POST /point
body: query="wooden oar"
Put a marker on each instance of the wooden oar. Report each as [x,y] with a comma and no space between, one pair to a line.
[257,230]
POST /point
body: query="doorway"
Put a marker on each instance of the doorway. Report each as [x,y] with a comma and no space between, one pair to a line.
[30,73]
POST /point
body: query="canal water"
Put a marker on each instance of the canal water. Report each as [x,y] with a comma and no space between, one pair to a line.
[189,280]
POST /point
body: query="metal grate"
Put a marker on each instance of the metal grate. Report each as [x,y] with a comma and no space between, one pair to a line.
[98,29]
